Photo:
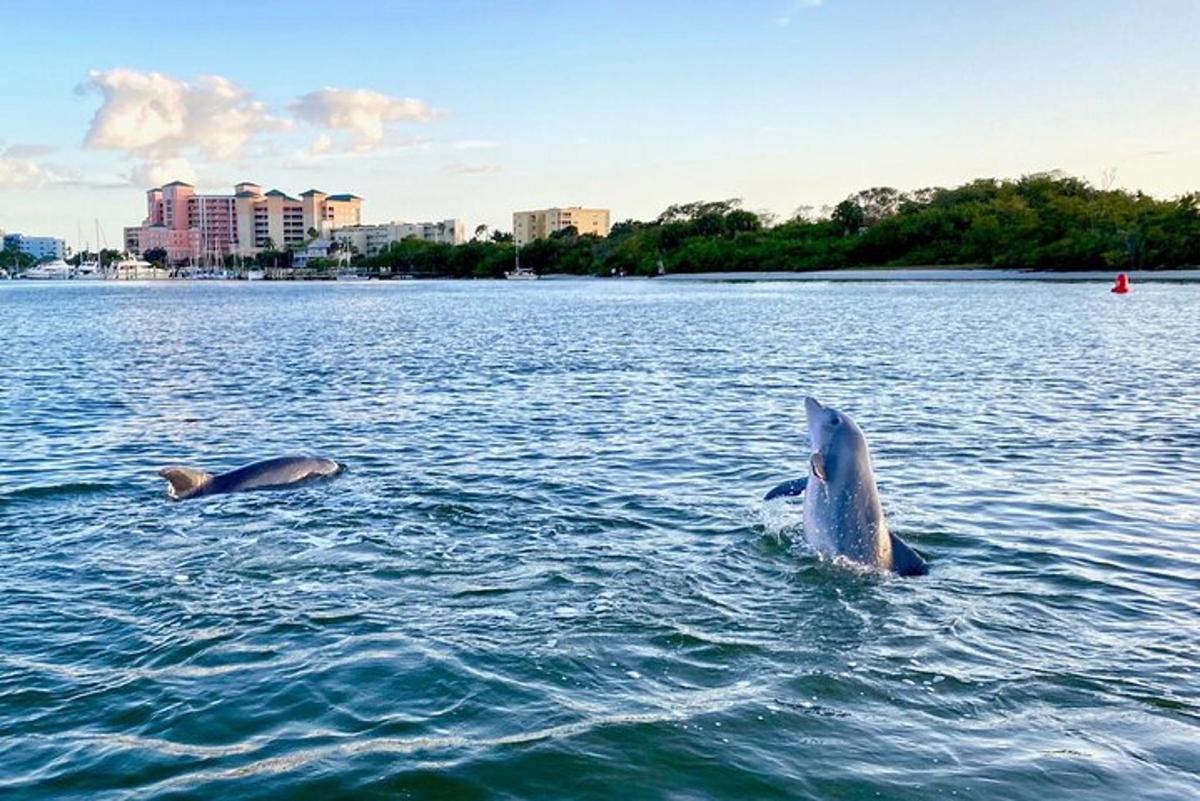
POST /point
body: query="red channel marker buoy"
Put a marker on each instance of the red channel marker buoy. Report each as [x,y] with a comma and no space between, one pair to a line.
[1122,284]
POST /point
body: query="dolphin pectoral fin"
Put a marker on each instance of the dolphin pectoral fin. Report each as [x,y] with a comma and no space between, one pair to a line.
[818,466]
[184,482]
[905,560]
[788,489]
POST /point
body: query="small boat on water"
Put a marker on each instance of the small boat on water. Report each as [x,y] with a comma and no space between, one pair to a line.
[54,270]
[519,273]
[352,277]
[255,275]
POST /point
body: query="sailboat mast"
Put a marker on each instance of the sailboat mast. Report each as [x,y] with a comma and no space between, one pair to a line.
[99,252]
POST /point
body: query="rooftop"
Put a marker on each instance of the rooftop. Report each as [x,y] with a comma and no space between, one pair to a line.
[346,196]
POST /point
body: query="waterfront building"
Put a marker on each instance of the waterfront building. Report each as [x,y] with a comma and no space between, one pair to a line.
[539,224]
[316,249]
[190,226]
[371,239]
[40,247]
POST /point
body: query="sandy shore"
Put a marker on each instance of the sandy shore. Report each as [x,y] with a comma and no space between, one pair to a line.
[938,274]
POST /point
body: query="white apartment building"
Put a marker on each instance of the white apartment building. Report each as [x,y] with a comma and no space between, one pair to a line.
[371,239]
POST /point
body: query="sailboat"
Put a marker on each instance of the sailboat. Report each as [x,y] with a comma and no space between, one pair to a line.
[519,273]
[92,270]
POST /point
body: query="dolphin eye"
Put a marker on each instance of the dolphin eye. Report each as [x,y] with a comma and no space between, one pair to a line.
[834,419]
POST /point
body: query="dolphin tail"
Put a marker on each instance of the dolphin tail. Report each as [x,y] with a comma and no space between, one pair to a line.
[184,482]
[788,489]
[905,560]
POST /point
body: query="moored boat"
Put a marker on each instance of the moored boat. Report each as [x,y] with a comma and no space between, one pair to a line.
[54,270]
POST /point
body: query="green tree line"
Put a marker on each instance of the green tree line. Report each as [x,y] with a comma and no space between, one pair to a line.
[1044,221]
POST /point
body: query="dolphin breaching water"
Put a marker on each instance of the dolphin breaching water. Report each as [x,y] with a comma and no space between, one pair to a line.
[187,482]
[842,513]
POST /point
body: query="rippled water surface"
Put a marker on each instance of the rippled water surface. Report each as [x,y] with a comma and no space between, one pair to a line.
[547,572]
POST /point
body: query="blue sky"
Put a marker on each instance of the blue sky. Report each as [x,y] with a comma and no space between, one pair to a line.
[474,109]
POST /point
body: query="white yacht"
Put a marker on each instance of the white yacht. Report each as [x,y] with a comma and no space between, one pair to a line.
[88,271]
[55,270]
[138,270]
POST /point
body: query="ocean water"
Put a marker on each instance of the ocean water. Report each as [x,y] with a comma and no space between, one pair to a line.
[547,572]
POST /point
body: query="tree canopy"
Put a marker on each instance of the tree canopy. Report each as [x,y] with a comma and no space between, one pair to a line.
[1044,221]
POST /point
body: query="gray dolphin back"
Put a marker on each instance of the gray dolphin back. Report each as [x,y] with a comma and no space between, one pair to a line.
[184,482]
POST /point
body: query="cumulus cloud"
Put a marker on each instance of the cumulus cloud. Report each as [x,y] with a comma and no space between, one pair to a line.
[360,113]
[174,127]
[157,173]
[162,120]
[154,115]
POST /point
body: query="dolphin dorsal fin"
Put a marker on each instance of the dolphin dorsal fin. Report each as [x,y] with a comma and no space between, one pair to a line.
[184,482]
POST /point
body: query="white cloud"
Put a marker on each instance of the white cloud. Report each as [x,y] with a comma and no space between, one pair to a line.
[173,127]
[161,119]
[22,174]
[154,115]
[163,171]
[321,146]
[793,8]
[19,171]
[360,113]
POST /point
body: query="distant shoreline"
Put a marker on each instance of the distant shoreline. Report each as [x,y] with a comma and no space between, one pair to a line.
[848,274]
[941,274]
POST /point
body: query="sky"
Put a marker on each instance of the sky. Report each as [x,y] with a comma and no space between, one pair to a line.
[476,109]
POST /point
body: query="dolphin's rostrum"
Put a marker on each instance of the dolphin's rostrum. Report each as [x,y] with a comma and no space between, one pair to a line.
[842,513]
[187,482]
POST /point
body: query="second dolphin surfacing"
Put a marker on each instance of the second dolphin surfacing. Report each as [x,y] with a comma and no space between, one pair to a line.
[187,482]
[842,512]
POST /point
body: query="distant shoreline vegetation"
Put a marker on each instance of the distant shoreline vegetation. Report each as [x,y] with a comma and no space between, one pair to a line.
[1046,221]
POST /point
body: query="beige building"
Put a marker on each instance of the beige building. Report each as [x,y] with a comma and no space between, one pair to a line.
[531,225]
[371,239]
[191,226]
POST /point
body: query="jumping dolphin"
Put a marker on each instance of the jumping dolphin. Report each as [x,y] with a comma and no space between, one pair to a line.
[842,513]
[186,482]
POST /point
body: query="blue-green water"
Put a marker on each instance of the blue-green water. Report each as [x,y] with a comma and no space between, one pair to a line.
[548,574]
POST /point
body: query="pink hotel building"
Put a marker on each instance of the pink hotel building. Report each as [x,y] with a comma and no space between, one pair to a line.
[188,225]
